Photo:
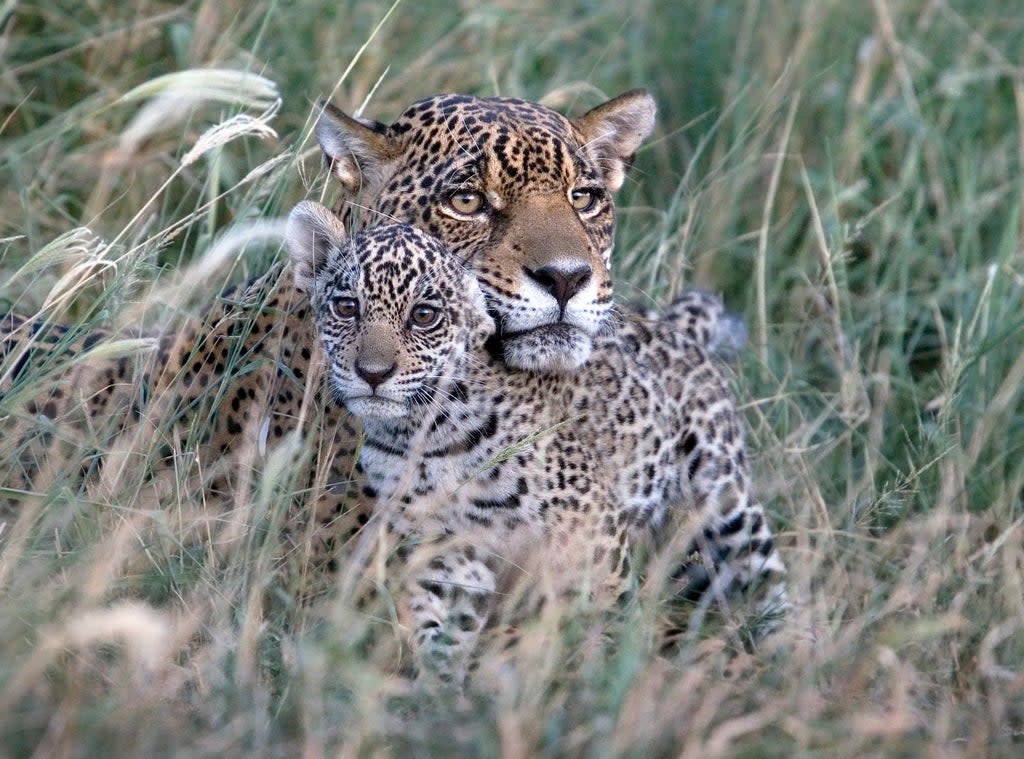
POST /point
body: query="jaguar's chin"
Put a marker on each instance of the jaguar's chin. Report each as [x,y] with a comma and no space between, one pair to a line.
[375,407]
[556,348]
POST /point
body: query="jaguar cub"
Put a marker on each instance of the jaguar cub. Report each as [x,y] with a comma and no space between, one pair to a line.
[491,469]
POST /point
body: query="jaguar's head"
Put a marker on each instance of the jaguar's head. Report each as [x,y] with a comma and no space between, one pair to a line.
[520,192]
[397,314]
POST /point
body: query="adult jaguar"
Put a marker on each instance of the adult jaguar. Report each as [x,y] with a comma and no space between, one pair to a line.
[518,190]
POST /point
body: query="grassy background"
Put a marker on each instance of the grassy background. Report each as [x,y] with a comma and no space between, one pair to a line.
[848,174]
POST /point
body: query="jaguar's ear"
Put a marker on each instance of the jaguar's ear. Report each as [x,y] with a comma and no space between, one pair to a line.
[311,233]
[613,131]
[356,150]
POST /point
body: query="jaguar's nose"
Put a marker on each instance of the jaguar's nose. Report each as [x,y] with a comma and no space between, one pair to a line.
[374,374]
[562,282]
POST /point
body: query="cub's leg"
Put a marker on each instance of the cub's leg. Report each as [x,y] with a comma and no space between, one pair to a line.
[447,605]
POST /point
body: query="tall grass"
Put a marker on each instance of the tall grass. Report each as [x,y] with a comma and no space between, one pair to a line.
[849,175]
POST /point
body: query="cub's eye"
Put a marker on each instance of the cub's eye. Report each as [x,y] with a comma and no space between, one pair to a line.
[466,202]
[583,200]
[344,308]
[424,316]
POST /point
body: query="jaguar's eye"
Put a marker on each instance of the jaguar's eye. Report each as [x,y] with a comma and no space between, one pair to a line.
[344,308]
[583,200]
[466,202]
[424,316]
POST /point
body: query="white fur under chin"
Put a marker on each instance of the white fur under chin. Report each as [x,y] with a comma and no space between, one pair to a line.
[558,349]
[375,407]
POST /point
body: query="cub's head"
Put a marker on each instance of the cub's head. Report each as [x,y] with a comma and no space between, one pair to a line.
[520,192]
[395,311]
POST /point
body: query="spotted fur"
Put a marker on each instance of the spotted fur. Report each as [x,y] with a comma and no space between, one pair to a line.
[523,469]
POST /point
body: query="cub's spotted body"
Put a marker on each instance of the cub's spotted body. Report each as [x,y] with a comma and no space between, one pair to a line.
[523,468]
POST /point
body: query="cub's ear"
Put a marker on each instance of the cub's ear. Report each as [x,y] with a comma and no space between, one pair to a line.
[480,319]
[357,150]
[613,131]
[311,233]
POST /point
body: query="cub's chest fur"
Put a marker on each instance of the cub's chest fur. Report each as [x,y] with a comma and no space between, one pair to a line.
[487,464]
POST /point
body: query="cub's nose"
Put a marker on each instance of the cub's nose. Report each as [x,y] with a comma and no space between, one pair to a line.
[561,282]
[375,374]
